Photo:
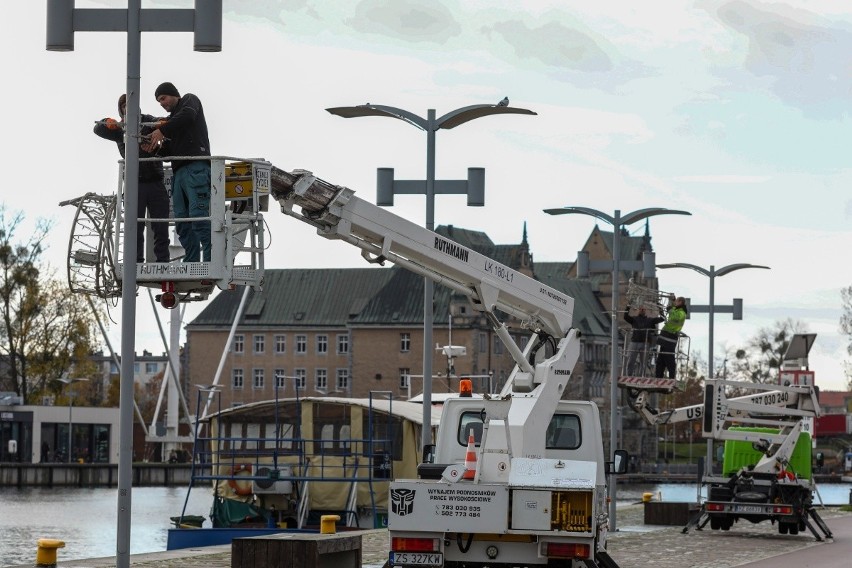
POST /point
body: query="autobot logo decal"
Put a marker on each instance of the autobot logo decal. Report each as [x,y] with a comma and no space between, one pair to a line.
[402,501]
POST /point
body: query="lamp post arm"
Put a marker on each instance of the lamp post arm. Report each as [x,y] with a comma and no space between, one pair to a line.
[584,210]
[640,214]
[732,267]
[380,110]
[694,267]
[466,114]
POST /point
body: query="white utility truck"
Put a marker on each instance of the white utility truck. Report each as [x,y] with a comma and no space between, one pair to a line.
[766,471]
[537,495]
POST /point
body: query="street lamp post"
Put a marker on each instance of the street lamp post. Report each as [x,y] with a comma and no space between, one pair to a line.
[616,264]
[473,186]
[63,19]
[736,308]
[71,394]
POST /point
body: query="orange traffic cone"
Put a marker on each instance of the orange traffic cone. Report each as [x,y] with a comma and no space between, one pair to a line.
[470,458]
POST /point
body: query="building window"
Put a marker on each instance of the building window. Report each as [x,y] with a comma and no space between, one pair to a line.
[483,343]
[523,340]
[239,344]
[404,378]
[322,344]
[321,379]
[280,344]
[259,343]
[237,378]
[343,343]
[280,377]
[136,368]
[258,379]
[498,346]
[300,382]
[343,379]
[150,368]
[405,342]
[301,344]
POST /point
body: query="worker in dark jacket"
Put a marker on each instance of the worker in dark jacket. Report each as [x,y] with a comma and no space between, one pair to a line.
[642,338]
[184,135]
[153,198]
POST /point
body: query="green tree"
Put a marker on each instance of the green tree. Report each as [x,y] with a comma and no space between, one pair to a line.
[759,361]
[61,340]
[45,331]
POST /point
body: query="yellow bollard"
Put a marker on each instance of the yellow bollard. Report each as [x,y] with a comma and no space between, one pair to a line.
[646,497]
[327,524]
[46,554]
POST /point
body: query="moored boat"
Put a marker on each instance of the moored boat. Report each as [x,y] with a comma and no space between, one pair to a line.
[282,465]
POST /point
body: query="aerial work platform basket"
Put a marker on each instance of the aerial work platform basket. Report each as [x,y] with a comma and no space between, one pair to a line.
[638,367]
[239,193]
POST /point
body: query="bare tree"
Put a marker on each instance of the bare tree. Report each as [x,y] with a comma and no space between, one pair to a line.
[759,361]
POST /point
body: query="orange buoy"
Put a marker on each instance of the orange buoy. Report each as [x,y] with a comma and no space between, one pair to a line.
[240,486]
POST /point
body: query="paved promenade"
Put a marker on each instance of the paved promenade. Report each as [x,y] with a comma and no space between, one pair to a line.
[635,545]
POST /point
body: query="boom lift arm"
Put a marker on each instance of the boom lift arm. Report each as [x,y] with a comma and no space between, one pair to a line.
[774,406]
[382,236]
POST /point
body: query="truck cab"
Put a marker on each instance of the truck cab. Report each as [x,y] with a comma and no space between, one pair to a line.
[573,434]
[534,510]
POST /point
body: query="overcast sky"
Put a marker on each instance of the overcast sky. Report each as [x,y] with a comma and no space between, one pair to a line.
[737,111]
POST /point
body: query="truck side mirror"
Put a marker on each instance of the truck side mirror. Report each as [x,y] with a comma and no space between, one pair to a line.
[618,463]
[429,453]
[820,459]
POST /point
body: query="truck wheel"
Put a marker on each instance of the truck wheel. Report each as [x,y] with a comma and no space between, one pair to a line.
[782,528]
[794,529]
[715,524]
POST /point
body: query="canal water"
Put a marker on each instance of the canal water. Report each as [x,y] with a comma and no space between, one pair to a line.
[86,518]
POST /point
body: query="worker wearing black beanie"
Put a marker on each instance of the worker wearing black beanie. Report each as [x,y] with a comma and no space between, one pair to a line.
[183,136]
[166,89]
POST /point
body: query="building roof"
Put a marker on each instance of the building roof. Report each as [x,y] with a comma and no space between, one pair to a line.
[509,255]
[630,247]
[400,302]
[589,315]
[310,297]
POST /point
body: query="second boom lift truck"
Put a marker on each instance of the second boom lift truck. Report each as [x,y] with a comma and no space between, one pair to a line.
[773,482]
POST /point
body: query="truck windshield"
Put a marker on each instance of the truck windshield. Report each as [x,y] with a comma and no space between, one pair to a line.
[563,433]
